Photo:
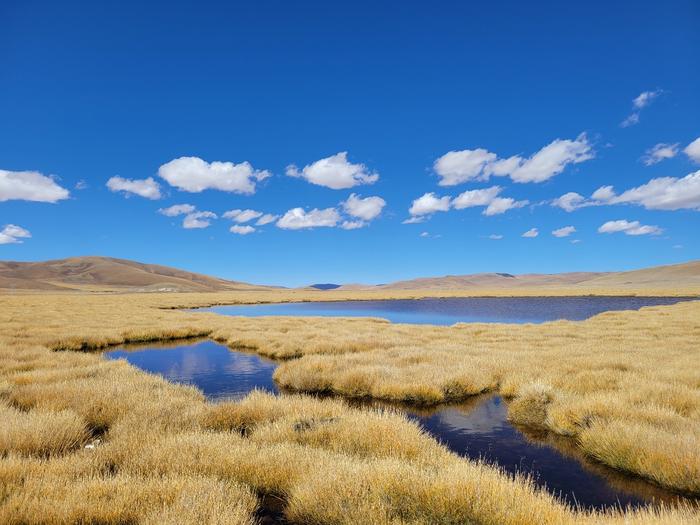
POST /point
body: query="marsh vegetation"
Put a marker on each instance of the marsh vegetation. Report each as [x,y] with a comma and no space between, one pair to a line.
[100,441]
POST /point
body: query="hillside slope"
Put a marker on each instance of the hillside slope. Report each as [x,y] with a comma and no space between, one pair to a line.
[672,276]
[107,273]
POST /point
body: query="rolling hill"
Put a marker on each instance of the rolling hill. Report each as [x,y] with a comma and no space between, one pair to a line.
[108,274]
[674,276]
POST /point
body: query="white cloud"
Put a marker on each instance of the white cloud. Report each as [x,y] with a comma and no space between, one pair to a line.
[241,216]
[693,150]
[473,198]
[640,102]
[570,201]
[146,188]
[665,193]
[12,234]
[241,230]
[645,98]
[629,228]
[488,197]
[30,186]
[177,209]
[429,203]
[604,193]
[564,232]
[630,120]
[553,159]
[195,175]
[531,233]
[366,209]
[266,219]
[353,225]
[501,205]
[298,219]
[81,185]
[424,234]
[660,152]
[495,237]
[456,167]
[198,219]
[334,172]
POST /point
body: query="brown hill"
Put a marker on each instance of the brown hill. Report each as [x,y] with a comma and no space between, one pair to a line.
[673,276]
[108,274]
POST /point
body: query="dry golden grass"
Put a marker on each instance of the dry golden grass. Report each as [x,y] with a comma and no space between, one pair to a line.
[625,386]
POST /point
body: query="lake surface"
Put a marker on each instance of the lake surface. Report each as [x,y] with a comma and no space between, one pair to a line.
[448,311]
[477,429]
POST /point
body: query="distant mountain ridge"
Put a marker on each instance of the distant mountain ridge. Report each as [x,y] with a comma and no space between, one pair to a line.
[684,274]
[325,286]
[94,273]
[99,274]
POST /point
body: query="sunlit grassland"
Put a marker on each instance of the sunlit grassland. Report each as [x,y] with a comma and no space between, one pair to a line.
[624,386]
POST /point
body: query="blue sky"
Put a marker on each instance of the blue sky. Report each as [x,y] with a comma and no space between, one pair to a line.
[110,115]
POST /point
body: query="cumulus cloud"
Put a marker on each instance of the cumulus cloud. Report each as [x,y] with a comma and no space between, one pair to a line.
[266,219]
[13,234]
[456,167]
[564,232]
[241,230]
[570,201]
[473,198]
[198,219]
[353,225]
[367,208]
[30,186]
[553,159]
[424,234]
[487,197]
[429,203]
[659,152]
[629,228]
[334,172]
[177,209]
[195,175]
[693,150]
[146,188]
[640,102]
[299,219]
[531,233]
[664,193]
[241,216]
[501,205]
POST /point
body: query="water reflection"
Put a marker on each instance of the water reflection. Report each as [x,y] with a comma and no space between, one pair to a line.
[218,372]
[477,428]
[448,311]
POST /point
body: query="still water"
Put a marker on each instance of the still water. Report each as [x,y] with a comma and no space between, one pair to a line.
[448,311]
[477,429]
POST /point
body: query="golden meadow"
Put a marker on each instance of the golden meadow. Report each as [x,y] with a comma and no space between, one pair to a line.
[85,440]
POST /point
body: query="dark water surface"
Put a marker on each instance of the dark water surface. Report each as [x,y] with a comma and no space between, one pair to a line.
[477,429]
[448,311]
[218,372]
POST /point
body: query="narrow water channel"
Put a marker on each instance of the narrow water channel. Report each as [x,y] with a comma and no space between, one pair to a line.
[478,428]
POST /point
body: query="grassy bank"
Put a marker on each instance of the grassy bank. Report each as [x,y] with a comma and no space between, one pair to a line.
[98,441]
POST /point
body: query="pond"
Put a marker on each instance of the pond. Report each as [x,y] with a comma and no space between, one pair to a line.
[478,428]
[448,311]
